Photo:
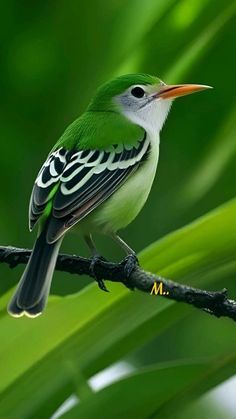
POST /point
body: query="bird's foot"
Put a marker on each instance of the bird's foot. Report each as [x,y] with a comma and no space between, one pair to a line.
[129,262]
[95,260]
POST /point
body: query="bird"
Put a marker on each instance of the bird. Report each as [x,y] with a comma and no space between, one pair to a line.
[96,178]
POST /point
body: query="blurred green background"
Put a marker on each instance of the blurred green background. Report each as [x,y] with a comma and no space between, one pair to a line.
[53,57]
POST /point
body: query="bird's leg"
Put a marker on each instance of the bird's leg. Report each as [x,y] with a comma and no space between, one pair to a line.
[131,260]
[95,259]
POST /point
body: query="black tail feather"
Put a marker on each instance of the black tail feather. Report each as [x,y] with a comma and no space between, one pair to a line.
[32,292]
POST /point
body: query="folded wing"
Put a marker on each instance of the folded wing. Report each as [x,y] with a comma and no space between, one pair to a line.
[74,183]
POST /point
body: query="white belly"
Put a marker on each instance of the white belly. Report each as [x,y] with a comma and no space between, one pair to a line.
[122,207]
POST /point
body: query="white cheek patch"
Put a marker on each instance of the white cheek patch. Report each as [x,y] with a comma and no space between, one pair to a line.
[151,117]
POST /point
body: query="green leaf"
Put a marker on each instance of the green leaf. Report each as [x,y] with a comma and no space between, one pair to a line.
[200,45]
[220,153]
[157,392]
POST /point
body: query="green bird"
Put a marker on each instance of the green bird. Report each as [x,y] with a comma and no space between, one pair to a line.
[97,177]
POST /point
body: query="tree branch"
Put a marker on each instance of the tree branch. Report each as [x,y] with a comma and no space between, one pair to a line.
[213,302]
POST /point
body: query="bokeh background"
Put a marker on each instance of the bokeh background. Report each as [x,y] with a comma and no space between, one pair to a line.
[53,57]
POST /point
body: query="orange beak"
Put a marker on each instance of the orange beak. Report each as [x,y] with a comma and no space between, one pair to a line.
[177,90]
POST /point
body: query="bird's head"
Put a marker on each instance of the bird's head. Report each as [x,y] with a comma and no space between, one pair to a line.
[143,99]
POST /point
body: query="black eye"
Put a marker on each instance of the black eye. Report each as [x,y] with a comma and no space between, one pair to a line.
[137,92]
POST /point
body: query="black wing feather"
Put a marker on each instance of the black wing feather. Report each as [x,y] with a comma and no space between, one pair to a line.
[45,182]
[84,179]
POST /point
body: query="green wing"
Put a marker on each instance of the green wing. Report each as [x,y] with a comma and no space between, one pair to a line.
[72,183]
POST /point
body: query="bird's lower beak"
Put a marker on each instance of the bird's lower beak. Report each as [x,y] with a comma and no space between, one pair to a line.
[177,90]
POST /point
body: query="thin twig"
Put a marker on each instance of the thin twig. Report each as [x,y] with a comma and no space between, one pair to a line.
[212,302]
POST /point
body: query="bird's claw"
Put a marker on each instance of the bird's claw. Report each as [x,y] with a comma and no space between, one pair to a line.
[95,260]
[130,262]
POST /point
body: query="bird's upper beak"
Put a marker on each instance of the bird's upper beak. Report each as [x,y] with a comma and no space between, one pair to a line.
[177,90]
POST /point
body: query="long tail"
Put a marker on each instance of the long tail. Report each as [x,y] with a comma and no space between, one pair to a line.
[32,292]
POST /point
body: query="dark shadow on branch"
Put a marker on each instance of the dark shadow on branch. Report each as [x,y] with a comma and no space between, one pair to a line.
[212,302]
